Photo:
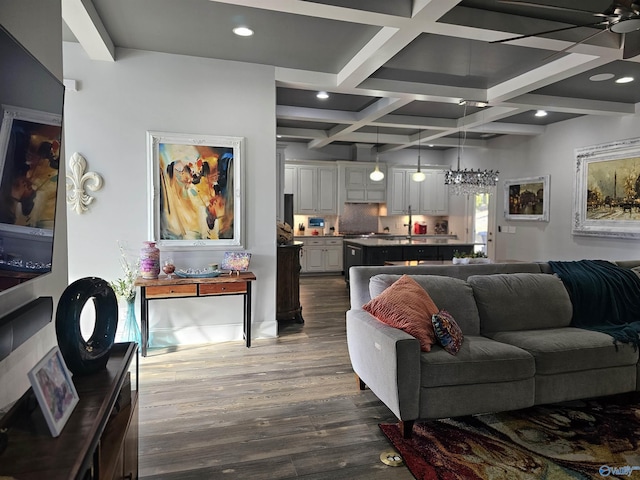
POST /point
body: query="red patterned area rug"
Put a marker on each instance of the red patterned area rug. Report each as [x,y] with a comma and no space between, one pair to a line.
[591,439]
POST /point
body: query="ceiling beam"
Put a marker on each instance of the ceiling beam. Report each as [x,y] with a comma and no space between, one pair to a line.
[366,116]
[578,106]
[82,19]
[320,10]
[544,75]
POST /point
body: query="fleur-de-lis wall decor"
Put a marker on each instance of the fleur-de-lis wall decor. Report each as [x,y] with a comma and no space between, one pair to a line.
[77,198]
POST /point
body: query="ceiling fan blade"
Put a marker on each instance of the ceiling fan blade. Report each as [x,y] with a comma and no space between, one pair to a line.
[548,31]
[555,54]
[549,7]
[631,44]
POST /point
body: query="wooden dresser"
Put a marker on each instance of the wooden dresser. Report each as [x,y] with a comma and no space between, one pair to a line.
[288,283]
[100,439]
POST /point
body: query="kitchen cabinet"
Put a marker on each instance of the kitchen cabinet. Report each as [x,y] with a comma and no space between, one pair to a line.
[321,255]
[372,251]
[357,187]
[434,194]
[430,197]
[314,187]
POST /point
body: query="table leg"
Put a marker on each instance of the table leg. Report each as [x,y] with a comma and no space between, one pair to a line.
[247,315]
[144,321]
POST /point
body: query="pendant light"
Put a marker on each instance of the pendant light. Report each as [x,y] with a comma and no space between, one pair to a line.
[469,182]
[418,176]
[377,175]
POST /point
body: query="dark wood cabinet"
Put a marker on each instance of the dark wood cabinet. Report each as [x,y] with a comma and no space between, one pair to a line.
[380,255]
[288,283]
[100,439]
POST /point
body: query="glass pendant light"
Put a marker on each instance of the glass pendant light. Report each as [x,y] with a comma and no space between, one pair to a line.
[418,176]
[377,175]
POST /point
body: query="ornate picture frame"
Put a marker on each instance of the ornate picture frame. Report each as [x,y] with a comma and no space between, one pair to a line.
[54,389]
[527,198]
[196,184]
[607,190]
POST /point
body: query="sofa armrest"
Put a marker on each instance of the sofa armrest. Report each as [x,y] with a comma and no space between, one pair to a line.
[387,359]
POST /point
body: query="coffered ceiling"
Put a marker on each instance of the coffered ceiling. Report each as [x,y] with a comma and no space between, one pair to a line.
[394,70]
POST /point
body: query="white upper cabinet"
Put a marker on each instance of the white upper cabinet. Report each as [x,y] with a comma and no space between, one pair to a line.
[314,187]
[434,199]
[357,187]
[430,197]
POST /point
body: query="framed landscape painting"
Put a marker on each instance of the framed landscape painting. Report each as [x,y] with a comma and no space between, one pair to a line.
[527,199]
[607,190]
[196,197]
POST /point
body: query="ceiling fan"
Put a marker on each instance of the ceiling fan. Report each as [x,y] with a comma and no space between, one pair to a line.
[622,17]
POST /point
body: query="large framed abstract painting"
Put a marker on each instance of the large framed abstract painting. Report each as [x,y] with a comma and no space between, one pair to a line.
[196,196]
[607,190]
[527,199]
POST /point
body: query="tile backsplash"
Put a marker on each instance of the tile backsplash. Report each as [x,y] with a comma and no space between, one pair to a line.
[367,217]
[359,217]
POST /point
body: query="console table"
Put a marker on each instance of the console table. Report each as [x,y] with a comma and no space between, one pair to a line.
[177,287]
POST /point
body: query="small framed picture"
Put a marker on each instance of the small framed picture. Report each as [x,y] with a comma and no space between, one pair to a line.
[54,389]
[236,261]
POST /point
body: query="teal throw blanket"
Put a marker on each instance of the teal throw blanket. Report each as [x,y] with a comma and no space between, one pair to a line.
[605,298]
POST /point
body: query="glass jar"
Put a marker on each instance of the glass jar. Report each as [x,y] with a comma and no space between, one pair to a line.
[149,260]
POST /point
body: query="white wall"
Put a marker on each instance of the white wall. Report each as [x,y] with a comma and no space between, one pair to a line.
[30,21]
[553,153]
[107,121]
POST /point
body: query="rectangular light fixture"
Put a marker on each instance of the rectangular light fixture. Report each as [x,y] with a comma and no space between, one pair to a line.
[473,103]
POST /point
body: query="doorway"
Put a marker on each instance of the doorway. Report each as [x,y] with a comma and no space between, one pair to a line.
[482,222]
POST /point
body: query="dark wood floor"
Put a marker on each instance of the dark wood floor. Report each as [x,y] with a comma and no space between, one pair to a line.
[285,408]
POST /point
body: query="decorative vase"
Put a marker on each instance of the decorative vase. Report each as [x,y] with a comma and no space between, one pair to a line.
[131,331]
[86,356]
[149,260]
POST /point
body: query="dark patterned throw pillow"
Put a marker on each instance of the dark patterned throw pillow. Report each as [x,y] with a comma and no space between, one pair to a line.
[447,331]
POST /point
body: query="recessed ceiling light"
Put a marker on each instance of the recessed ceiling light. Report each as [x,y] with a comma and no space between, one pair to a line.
[624,80]
[322,95]
[541,113]
[431,145]
[243,31]
[601,77]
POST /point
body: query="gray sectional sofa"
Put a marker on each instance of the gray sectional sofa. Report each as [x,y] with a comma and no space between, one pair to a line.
[519,349]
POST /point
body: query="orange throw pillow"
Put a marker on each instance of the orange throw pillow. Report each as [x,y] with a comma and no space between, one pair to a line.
[407,306]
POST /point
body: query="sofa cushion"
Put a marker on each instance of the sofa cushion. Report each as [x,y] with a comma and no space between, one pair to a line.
[407,306]
[448,333]
[521,301]
[570,349]
[450,294]
[480,360]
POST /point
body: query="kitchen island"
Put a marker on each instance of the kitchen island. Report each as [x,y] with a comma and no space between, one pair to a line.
[377,251]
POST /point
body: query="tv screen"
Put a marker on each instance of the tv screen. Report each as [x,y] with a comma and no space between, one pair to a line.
[31,103]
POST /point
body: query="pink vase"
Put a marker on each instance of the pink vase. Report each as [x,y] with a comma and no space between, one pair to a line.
[149,260]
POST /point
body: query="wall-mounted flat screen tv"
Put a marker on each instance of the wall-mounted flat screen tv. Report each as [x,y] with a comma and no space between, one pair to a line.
[31,103]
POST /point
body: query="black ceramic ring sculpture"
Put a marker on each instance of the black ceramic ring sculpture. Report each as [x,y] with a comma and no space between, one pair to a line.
[91,355]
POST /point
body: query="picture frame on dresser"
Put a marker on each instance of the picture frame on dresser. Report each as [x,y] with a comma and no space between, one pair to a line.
[195,190]
[527,198]
[607,190]
[54,389]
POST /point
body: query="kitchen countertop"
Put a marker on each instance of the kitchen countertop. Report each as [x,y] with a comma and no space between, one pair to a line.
[417,240]
[383,236]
